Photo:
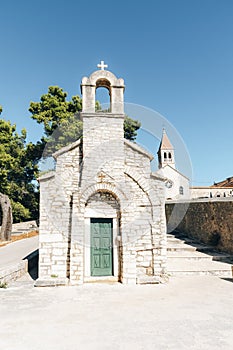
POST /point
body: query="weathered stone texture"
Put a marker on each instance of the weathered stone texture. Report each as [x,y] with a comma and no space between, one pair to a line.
[104,176]
[209,221]
[13,272]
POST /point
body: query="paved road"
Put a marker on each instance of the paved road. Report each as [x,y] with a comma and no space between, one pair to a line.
[186,313]
[12,253]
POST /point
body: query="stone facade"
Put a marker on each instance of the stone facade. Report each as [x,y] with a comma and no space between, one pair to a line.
[177,185]
[103,176]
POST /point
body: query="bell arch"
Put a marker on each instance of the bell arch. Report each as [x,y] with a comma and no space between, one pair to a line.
[103,86]
[106,79]
[105,83]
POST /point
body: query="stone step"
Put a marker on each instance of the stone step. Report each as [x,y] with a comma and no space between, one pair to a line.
[170,235]
[216,256]
[19,232]
[25,225]
[180,236]
[196,255]
[199,247]
[177,267]
[21,229]
[202,247]
[188,255]
[175,240]
[180,247]
[217,273]
[193,247]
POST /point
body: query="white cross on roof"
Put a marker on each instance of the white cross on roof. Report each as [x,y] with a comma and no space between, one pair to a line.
[101,65]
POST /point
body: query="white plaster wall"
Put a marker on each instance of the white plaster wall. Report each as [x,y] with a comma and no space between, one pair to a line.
[211,192]
[177,181]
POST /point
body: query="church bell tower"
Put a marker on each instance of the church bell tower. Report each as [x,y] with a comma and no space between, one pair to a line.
[166,154]
[103,131]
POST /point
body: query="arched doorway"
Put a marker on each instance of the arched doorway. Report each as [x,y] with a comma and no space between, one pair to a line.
[102,236]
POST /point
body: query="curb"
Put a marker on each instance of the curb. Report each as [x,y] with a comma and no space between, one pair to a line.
[13,272]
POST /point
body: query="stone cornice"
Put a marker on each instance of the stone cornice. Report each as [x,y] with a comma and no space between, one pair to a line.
[159,177]
[46,176]
[102,114]
[67,148]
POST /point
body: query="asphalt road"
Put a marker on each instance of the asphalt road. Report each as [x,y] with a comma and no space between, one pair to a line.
[12,253]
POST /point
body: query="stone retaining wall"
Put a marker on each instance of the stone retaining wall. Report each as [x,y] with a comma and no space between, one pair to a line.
[210,221]
[13,272]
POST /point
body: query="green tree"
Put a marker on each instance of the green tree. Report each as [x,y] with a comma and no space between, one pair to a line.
[53,111]
[18,169]
[130,128]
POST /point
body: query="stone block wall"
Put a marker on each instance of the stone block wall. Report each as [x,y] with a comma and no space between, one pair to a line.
[102,176]
[136,160]
[55,212]
[103,146]
[13,272]
[65,199]
[210,221]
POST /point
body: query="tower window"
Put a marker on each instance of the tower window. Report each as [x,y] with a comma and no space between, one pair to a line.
[165,155]
[169,155]
[181,190]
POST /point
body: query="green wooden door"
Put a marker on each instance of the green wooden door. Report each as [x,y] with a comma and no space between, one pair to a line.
[101,247]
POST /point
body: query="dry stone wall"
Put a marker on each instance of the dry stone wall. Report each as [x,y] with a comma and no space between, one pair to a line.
[209,221]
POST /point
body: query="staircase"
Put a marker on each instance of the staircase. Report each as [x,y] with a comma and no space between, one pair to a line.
[188,257]
[24,227]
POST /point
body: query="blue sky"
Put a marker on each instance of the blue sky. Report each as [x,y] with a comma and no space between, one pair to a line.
[176,57]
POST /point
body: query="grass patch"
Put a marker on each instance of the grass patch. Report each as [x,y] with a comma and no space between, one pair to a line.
[19,237]
[3,285]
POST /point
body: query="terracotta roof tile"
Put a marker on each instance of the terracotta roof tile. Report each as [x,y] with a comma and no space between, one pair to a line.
[165,143]
[225,183]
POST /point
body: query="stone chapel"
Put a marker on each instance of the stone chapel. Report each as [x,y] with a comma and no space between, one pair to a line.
[102,210]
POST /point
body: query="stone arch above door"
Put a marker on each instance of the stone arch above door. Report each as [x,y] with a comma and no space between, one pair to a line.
[102,233]
[102,204]
[101,187]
